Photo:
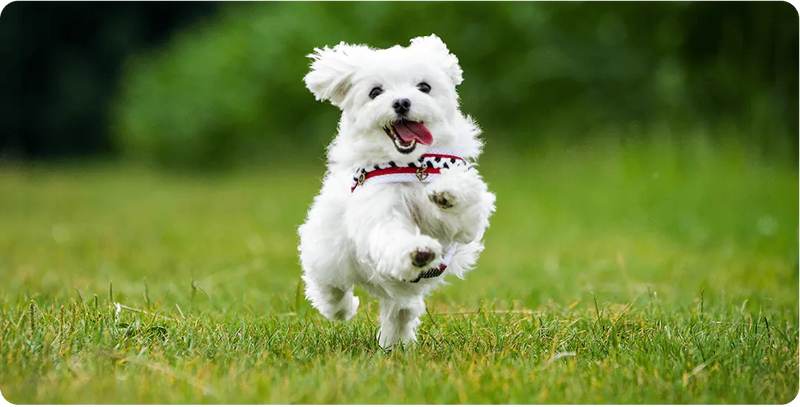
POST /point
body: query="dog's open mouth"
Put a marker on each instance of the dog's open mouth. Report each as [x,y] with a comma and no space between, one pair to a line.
[406,134]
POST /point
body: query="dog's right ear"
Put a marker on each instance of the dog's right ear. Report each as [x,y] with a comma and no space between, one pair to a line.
[332,70]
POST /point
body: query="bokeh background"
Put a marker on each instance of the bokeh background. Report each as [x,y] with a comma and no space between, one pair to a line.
[204,85]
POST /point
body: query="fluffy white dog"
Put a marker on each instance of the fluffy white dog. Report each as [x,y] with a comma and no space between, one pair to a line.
[401,205]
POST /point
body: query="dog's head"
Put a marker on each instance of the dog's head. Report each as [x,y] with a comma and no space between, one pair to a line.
[396,98]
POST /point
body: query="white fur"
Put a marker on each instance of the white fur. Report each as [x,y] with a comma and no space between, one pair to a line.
[367,237]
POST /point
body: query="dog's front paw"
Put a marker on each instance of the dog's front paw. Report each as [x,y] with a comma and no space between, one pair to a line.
[442,199]
[421,258]
[464,203]
[456,187]
[417,257]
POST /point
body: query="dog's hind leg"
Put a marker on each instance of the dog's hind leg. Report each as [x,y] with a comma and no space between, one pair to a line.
[331,301]
[399,320]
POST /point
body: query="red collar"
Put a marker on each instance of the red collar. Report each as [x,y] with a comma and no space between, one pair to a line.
[426,169]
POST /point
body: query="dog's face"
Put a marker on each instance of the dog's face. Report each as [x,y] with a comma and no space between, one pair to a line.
[397,97]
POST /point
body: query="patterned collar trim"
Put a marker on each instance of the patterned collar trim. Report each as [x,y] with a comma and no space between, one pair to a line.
[425,170]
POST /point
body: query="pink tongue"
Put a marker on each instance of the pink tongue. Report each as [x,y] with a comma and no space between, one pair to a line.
[413,131]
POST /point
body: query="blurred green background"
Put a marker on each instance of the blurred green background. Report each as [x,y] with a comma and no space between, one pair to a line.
[211,85]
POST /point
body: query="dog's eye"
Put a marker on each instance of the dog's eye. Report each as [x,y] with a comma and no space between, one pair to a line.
[424,87]
[375,92]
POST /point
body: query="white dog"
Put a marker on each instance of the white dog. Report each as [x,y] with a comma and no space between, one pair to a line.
[401,205]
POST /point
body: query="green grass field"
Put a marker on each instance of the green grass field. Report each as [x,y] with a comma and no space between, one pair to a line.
[613,273]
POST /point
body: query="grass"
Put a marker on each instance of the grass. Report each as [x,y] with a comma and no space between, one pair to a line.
[658,272]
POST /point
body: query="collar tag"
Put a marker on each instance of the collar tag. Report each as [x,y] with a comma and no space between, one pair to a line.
[422,172]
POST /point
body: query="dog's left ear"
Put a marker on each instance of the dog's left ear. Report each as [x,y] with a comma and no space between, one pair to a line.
[332,70]
[436,47]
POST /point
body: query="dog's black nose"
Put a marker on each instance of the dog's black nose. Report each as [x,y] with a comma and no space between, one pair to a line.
[401,106]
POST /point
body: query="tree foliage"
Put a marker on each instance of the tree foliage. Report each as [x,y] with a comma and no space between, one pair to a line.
[231,86]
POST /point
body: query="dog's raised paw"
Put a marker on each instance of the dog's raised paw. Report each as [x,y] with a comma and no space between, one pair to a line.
[443,199]
[421,258]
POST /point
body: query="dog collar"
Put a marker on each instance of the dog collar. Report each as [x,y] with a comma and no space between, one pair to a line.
[425,170]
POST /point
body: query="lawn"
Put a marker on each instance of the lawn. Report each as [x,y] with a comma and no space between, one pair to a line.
[650,272]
